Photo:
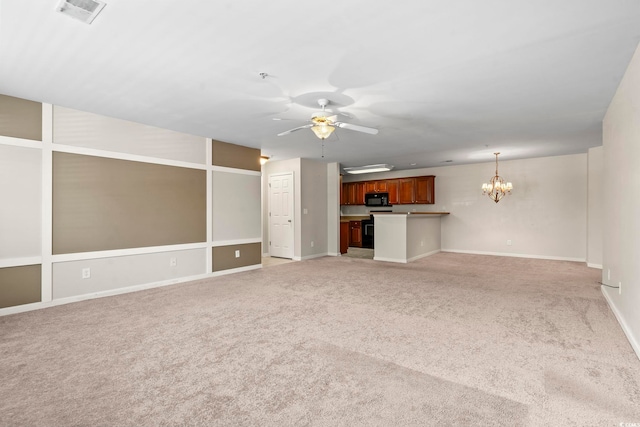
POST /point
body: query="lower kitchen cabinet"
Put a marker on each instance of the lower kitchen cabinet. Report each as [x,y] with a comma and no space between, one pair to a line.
[344,237]
[355,233]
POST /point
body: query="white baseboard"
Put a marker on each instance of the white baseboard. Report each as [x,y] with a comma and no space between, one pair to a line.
[112,292]
[304,258]
[554,258]
[424,255]
[594,265]
[623,324]
[379,258]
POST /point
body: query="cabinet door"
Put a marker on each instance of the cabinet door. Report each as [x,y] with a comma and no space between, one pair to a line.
[424,190]
[355,234]
[381,186]
[370,187]
[359,193]
[406,193]
[392,189]
[344,237]
[343,194]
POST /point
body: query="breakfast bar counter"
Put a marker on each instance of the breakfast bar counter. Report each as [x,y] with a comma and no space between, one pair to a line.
[407,236]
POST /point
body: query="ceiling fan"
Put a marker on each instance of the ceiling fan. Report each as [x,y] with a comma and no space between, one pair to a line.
[323,125]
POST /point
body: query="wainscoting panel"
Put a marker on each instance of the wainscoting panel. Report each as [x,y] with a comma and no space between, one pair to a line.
[105,204]
[224,257]
[20,285]
[120,272]
[82,129]
[20,118]
[20,201]
[236,206]
[235,156]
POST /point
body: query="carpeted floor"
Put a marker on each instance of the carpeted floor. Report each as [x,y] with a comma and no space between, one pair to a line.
[449,340]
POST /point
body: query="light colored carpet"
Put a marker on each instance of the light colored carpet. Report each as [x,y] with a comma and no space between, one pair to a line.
[362,253]
[452,339]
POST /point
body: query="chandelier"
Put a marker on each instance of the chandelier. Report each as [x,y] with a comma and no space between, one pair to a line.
[496,188]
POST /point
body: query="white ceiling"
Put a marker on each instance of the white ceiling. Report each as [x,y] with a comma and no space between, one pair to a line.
[441,80]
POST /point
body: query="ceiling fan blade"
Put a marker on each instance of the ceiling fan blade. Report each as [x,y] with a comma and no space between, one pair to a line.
[287,132]
[357,128]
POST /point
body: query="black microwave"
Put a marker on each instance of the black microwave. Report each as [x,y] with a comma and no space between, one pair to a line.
[376,199]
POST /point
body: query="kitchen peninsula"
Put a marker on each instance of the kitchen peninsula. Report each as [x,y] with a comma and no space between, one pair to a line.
[404,237]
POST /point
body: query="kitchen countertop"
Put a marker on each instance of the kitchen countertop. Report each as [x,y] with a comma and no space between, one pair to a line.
[347,218]
[412,213]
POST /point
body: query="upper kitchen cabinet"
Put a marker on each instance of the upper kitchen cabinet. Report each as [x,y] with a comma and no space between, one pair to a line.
[402,191]
[376,186]
[353,193]
[424,190]
[392,189]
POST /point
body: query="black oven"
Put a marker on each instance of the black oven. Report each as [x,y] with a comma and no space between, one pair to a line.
[368,229]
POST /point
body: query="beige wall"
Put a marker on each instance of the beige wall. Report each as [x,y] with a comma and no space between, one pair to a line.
[20,285]
[104,204]
[82,129]
[595,209]
[540,219]
[20,202]
[20,118]
[621,224]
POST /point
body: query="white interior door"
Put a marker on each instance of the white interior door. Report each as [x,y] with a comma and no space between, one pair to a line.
[281,215]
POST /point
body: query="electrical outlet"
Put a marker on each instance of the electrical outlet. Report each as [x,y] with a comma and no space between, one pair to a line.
[509,242]
[421,242]
[173,261]
[619,288]
[238,253]
[86,273]
[312,243]
[608,274]
[305,211]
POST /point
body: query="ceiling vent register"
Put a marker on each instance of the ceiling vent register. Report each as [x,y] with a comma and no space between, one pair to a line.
[82,10]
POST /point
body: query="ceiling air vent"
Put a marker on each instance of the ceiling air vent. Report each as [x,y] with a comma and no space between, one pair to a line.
[83,10]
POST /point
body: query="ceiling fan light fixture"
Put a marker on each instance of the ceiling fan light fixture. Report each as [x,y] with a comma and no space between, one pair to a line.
[369,169]
[323,131]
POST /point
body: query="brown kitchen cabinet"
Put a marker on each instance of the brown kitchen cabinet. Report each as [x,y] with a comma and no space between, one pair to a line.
[402,191]
[406,194]
[423,190]
[344,237]
[375,186]
[355,233]
[392,189]
[353,193]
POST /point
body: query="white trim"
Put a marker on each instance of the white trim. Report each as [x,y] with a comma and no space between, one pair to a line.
[237,270]
[295,258]
[77,298]
[126,252]
[19,262]
[235,170]
[623,324]
[554,258]
[46,209]
[599,266]
[235,242]
[209,201]
[398,260]
[333,254]
[72,149]
[424,255]
[20,142]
